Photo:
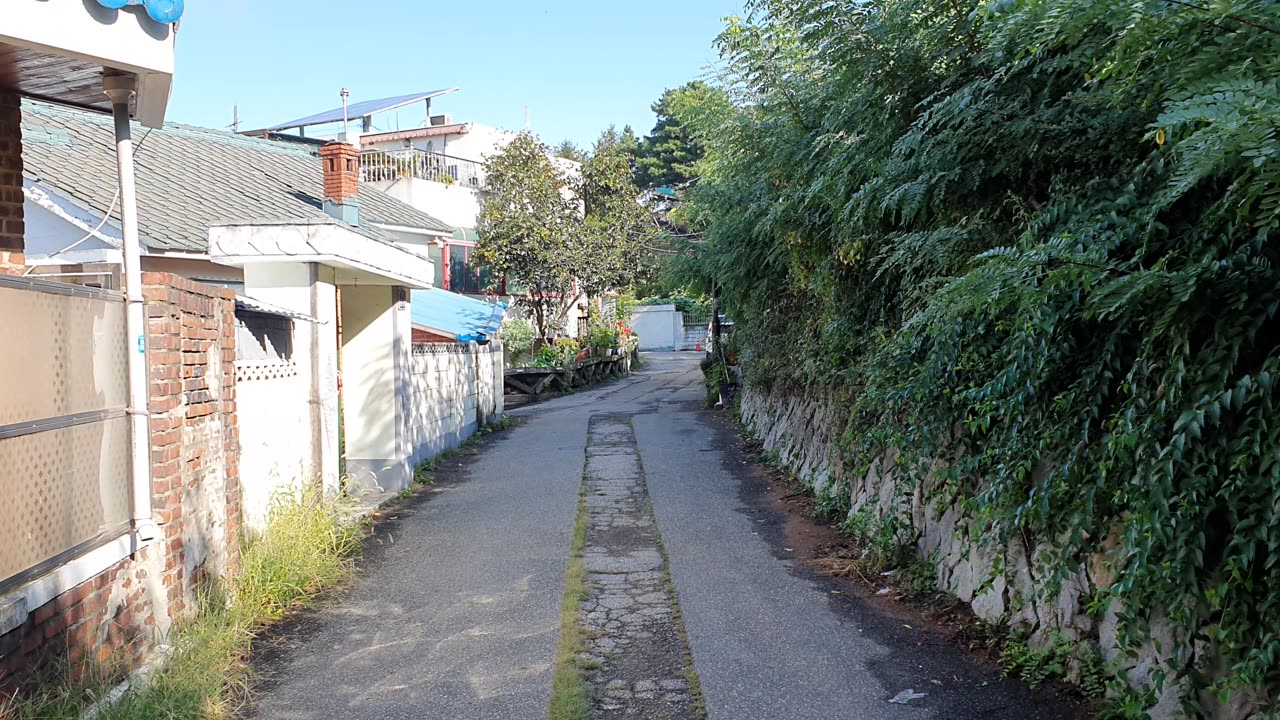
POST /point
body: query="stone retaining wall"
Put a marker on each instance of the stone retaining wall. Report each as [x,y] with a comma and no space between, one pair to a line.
[1002,583]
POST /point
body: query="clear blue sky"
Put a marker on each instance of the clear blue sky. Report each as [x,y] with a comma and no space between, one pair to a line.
[578,65]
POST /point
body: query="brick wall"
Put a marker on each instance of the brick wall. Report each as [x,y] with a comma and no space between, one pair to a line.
[119,614]
[426,336]
[11,224]
[107,621]
[195,474]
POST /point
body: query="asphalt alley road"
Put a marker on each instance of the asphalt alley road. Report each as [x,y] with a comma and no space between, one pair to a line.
[457,618]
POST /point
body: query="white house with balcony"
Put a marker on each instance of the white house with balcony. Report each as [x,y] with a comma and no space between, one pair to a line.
[437,168]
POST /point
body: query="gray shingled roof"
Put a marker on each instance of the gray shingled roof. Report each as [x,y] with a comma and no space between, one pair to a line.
[190,178]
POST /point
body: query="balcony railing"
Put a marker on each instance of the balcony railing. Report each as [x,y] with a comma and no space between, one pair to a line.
[377,165]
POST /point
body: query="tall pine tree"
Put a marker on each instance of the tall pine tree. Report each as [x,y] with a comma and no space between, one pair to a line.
[668,154]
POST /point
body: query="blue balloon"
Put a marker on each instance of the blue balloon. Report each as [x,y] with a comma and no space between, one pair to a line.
[162,11]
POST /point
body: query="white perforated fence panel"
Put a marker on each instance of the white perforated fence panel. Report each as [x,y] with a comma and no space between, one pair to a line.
[64,436]
[63,354]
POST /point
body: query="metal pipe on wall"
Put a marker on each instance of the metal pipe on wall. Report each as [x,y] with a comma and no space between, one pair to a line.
[121,88]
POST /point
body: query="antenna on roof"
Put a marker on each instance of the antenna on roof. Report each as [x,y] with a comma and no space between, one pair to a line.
[344,95]
[235,118]
[528,125]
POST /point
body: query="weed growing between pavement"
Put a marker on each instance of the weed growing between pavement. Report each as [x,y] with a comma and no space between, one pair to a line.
[309,545]
[570,696]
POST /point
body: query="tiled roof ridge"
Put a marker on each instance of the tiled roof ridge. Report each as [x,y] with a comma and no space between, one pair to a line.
[191,178]
[58,112]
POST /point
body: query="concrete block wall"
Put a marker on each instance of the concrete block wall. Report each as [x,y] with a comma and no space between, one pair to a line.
[12,227]
[455,391]
[116,606]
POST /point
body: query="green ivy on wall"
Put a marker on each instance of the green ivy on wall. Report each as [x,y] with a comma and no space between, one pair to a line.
[1036,239]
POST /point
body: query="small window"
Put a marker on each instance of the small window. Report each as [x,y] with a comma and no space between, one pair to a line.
[260,336]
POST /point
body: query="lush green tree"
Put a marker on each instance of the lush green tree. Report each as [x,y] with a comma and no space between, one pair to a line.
[667,156]
[612,142]
[569,150]
[530,230]
[557,237]
[1037,240]
[618,231]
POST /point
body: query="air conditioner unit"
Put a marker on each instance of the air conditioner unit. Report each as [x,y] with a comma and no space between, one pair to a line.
[437,120]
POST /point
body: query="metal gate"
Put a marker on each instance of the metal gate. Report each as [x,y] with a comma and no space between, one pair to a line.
[64,434]
[696,331]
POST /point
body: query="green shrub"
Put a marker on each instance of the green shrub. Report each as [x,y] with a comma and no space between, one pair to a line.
[548,356]
[602,337]
[696,307]
[559,354]
[517,336]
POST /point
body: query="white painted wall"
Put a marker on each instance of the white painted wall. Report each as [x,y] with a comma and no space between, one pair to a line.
[478,143]
[275,443]
[371,388]
[46,233]
[659,327]
[457,388]
[455,205]
[309,289]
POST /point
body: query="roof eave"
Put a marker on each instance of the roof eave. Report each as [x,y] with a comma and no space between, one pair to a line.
[413,230]
[435,330]
[323,243]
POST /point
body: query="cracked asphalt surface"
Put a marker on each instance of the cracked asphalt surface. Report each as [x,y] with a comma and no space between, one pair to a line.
[456,616]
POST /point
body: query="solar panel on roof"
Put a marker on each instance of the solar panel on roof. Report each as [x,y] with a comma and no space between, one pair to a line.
[361,109]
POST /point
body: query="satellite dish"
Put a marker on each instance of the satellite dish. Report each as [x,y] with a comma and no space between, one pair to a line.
[162,11]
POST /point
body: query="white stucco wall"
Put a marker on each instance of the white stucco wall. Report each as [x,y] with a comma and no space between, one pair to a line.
[371,388]
[659,327]
[455,205]
[275,443]
[309,289]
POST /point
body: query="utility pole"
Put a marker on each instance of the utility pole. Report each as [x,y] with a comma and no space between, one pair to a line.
[344,94]
[715,323]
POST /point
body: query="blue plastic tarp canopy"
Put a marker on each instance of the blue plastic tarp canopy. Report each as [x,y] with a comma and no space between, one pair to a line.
[449,313]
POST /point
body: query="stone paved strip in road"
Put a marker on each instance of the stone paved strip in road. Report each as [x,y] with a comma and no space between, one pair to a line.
[635,637]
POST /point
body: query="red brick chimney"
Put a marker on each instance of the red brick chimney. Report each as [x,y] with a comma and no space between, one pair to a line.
[341,181]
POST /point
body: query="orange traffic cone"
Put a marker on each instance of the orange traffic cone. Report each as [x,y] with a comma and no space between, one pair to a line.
[699,346]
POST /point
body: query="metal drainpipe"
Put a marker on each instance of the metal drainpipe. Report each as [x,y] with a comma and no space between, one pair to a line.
[120,88]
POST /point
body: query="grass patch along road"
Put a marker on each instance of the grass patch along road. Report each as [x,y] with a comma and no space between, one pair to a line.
[570,694]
